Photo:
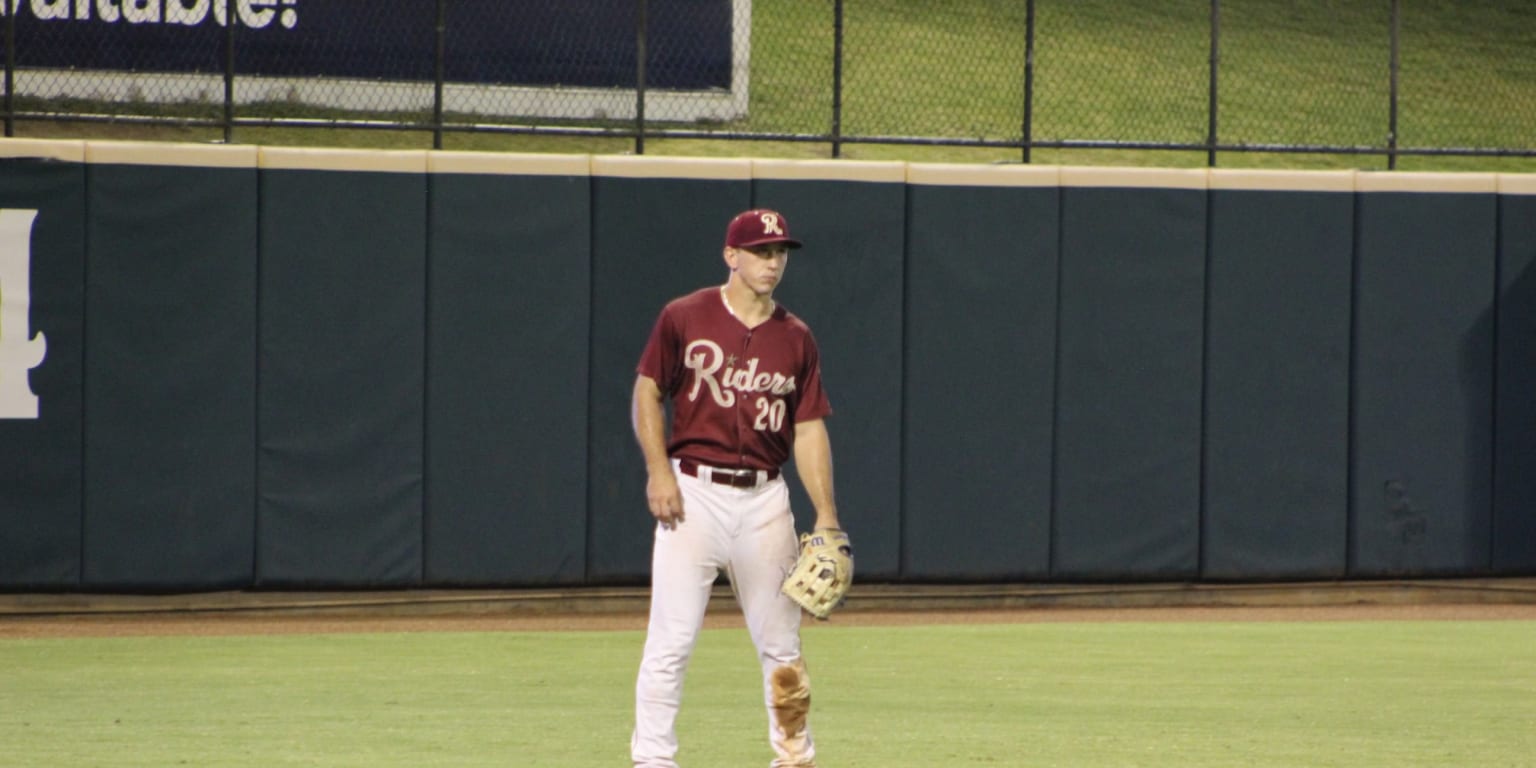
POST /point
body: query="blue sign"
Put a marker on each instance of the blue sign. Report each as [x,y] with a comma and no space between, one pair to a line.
[570,43]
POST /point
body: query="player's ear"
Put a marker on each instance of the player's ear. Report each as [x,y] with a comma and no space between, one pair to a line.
[729,255]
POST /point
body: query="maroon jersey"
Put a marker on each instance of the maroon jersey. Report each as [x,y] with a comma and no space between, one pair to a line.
[736,392]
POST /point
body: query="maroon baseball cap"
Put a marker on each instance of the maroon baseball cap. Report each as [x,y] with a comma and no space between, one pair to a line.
[759,226]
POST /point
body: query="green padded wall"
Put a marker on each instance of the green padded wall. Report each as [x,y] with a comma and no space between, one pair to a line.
[170,376]
[1276,458]
[509,309]
[1422,399]
[1127,498]
[40,459]
[978,382]
[340,430]
[1514,510]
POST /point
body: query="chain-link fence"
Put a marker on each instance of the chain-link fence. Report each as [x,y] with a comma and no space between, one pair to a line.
[1365,77]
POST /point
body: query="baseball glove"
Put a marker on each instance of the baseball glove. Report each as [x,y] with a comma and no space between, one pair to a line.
[823,573]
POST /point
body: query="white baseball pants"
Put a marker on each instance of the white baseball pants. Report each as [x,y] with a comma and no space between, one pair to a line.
[749,533]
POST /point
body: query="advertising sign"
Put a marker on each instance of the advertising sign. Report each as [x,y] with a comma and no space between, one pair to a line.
[572,59]
[42,264]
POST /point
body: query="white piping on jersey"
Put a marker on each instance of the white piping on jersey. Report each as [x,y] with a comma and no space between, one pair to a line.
[727,302]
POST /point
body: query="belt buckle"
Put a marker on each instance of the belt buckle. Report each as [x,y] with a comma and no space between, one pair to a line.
[737,478]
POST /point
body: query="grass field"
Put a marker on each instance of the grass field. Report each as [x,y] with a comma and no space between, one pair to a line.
[1314,73]
[1177,694]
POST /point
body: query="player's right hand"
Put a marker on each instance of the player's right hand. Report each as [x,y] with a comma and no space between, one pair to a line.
[665,500]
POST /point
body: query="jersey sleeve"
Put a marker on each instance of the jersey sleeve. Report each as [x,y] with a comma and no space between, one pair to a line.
[661,361]
[813,403]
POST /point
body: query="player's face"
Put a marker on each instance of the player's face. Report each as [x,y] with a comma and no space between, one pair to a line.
[761,267]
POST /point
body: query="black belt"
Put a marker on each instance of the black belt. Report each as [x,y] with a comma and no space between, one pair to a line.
[736,478]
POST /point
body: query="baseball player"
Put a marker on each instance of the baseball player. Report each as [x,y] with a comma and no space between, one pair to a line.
[744,380]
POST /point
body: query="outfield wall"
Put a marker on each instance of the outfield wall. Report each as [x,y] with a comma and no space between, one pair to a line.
[289,368]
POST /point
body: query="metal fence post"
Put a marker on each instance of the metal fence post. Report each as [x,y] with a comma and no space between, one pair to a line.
[1029,77]
[837,78]
[1392,109]
[10,70]
[437,75]
[1210,136]
[640,80]
[229,74]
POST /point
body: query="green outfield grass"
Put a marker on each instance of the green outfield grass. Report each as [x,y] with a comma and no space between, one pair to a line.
[1181,695]
[1314,73]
